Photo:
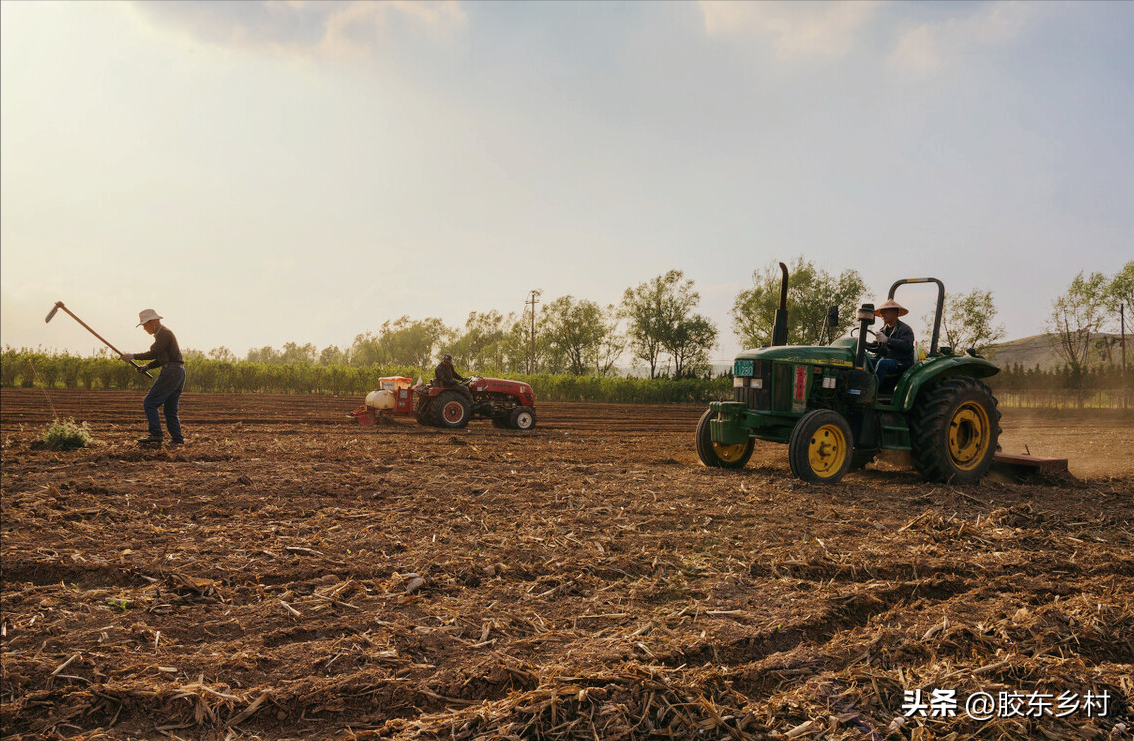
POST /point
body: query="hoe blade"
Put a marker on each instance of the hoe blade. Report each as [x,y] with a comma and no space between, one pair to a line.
[51,313]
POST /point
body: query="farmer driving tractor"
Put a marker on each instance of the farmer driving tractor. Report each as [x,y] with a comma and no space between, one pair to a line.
[445,374]
[894,343]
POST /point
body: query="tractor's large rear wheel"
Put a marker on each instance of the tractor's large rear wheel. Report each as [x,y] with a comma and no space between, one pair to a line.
[821,447]
[954,431]
[717,455]
[452,410]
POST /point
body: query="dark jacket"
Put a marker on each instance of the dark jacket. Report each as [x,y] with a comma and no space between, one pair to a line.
[901,344]
[164,350]
[445,375]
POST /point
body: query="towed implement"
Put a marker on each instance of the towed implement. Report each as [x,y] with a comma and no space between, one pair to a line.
[825,403]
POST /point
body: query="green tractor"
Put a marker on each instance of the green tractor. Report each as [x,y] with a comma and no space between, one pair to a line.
[825,403]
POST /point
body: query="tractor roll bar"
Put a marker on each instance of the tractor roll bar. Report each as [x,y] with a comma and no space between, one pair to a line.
[940,305]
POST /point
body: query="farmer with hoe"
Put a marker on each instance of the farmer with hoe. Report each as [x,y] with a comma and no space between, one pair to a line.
[894,343]
[166,391]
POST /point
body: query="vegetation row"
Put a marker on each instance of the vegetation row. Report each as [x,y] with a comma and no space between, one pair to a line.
[33,369]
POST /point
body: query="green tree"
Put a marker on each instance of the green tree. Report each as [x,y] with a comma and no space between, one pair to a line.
[575,333]
[484,344]
[690,343]
[1120,292]
[264,354]
[810,291]
[661,320]
[1077,315]
[332,355]
[294,353]
[613,343]
[968,320]
[223,354]
[405,342]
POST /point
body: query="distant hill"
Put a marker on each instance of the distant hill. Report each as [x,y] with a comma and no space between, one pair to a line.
[1040,350]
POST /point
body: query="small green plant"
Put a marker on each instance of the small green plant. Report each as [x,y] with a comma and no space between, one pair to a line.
[66,435]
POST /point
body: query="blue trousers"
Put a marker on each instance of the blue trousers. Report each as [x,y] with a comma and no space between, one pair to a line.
[165,394]
[884,367]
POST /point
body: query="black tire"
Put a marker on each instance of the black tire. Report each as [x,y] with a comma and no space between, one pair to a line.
[716,455]
[954,431]
[821,447]
[523,418]
[451,410]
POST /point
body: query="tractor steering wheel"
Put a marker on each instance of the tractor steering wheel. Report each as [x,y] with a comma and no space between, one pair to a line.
[854,330]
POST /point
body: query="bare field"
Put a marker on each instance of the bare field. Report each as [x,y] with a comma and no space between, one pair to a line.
[290,574]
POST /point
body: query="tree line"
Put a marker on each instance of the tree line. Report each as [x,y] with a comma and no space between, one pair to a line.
[656,326]
[1016,377]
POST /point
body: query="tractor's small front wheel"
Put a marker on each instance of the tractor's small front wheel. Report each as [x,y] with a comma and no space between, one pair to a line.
[452,410]
[523,418]
[821,447]
[719,455]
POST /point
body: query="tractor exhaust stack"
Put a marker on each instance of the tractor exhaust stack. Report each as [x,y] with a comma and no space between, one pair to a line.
[780,325]
[865,320]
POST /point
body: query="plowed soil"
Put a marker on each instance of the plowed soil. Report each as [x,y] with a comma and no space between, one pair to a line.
[291,574]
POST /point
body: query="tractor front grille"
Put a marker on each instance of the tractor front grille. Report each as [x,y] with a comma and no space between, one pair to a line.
[752,383]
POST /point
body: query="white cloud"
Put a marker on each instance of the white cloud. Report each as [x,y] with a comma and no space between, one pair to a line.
[918,52]
[353,28]
[350,29]
[796,29]
[926,49]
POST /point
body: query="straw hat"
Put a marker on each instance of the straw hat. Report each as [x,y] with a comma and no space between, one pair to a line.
[146,316]
[892,304]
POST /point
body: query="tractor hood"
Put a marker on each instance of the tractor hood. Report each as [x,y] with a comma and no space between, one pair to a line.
[502,386]
[839,353]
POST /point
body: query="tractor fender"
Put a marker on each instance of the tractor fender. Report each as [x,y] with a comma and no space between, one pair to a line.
[934,368]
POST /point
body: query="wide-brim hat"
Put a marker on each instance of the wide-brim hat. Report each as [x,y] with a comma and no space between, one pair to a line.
[892,304]
[147,316]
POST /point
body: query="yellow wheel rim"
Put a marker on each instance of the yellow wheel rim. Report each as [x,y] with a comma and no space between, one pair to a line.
[827,451]
[730,453]
[970,434]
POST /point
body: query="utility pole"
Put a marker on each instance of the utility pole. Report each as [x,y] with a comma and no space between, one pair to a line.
[531,358]
[1122,317]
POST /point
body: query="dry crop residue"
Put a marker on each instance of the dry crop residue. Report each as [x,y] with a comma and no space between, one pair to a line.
[289,574]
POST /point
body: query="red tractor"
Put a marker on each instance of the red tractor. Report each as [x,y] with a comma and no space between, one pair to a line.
[509,404]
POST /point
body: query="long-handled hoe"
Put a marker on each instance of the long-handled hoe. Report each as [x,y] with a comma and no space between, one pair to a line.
[59,305]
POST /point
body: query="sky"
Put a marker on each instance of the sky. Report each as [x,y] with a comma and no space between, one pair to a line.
[271,172]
